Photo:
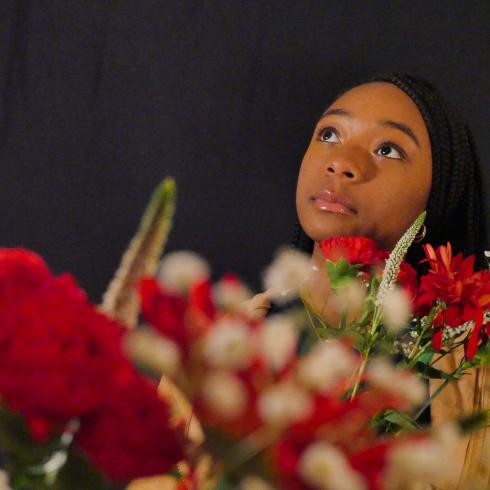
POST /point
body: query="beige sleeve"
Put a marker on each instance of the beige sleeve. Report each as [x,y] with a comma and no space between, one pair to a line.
[462,397]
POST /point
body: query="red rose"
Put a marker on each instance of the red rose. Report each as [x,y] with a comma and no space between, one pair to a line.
[356,250]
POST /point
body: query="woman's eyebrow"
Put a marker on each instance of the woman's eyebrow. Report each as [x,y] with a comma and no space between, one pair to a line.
[384,122]
[402,127]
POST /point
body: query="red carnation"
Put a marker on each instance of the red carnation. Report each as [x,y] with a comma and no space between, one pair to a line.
[356,250]
[61,359]
[59,355]
[131,437]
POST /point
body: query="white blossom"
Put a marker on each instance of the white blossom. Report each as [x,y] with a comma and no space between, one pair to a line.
[405,384]
[430,460]
[283,404]
[152,350]
[323,466]
[253,482]
[392,267]
[180,270]
[285,276]
[326,365]
[397,309]
[350,298]
[229,293]
[224,394]
[229,344]
[277,340]
[487,254]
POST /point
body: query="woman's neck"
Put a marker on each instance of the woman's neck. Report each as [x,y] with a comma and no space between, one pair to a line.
[317,292]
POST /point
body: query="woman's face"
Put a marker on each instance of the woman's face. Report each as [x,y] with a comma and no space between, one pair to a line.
[368,168]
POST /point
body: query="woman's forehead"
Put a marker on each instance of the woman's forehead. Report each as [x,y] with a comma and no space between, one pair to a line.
[381,101]
[378,97]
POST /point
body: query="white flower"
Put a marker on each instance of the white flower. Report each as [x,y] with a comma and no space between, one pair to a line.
[284,404]
[384,375]
[323,466]
[224,394]
[180,270]
[277,340]
[230,293]
[430,460]
[326,365]
[152,350]
[253,482]
[229,344]
[350,298]
[487,254]
[397,309]
[284,277]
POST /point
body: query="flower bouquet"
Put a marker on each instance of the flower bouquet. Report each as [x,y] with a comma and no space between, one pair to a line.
[294,400]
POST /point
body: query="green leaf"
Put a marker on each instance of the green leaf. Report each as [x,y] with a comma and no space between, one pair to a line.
[475,421]
[481,358]
[426,357]
[341,272]
[401,420]
[79,474]
[430,372]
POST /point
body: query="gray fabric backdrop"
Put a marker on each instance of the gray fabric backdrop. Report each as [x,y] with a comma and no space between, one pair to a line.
[100,100]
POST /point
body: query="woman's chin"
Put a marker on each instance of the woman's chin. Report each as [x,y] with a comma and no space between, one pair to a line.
[324,231]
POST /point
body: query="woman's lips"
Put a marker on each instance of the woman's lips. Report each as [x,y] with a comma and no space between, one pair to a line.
[333,202]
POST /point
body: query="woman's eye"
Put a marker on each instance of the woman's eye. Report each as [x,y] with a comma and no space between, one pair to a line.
[329,134]
[389,150]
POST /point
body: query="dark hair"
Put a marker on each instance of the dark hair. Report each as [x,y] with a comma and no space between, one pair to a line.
[455,211]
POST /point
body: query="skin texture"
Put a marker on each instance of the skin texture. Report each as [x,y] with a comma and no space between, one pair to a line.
[382,172]
[357,157]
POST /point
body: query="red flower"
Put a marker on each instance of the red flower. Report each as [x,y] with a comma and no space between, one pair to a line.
[356,250]
[131,437]
[465,293]
[407,278]
[200,300]
[58,354]
[164,311]
[61,359]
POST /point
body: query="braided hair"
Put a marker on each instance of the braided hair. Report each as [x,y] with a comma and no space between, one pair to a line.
[455,210]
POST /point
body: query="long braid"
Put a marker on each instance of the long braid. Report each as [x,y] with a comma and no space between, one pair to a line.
[455,209]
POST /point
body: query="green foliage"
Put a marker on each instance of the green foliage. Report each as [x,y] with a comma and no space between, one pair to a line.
[392,421]
[341,272]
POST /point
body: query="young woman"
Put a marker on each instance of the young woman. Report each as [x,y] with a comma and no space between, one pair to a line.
[381,153]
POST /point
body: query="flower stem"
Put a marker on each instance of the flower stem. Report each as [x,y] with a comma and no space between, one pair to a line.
[360,373]
[417,355]
[456,373]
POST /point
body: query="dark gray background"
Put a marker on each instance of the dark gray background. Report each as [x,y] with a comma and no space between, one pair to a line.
[99,100]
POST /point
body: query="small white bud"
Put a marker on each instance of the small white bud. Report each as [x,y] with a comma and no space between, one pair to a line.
[229,345]
[180,270]
[285,276]
[224,394]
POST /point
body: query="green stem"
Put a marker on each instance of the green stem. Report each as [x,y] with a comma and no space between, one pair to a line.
[456,372]
[416,357]
[360,373]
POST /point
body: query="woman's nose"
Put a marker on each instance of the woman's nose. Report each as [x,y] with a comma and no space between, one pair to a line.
[347,167]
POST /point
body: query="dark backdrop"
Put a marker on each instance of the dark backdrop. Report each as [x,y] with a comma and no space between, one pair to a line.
[99,100]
